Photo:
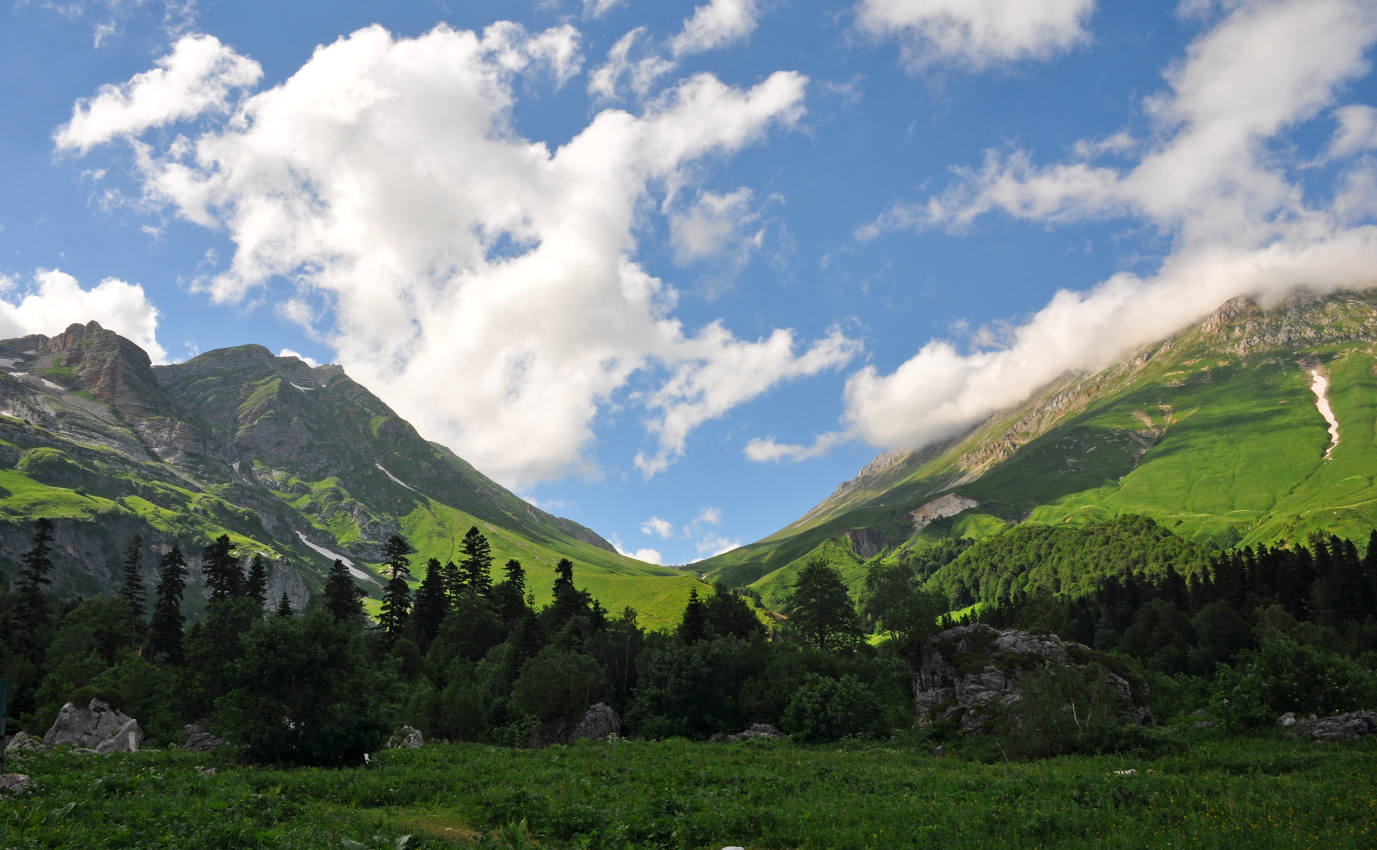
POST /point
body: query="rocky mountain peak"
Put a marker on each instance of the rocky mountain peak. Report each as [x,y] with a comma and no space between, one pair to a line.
[105,364]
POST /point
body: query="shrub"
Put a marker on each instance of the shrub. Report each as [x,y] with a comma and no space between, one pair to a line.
[1065,709]
[826,709]
[1283,675]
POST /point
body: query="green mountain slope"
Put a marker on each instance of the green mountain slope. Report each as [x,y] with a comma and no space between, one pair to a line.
[289,460]
[1215,434]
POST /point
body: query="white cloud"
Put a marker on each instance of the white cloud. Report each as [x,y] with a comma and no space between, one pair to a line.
[768,450]
[56,301]
[198,75]
[1217,179]
[650,556]
[713,225]
[598,8]
[384,185]
[1357,131]
[640,74]
[713,544]
[655,525]
[715,24]
[309,361]
[708,516]
[977,33]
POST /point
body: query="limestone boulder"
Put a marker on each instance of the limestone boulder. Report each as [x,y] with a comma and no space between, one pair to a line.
[600,721]
[22,741]
[97,727]
[406,738]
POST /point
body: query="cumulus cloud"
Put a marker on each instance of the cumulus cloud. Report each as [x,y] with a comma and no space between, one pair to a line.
[404,222]
[768,450]
[714,224]
[977,33]
[1213,178]
[650,556]
[655,525]
[1357,131]
[198,75]
[287,352]
[715,24]
[713,544]
[56,300]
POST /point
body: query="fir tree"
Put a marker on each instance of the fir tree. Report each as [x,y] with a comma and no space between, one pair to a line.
[396,603]
[432,603]
[34,567]
[165,630]
[694,626]
[454,582]
[284,606]
[477,563]
[221,569]
[516,576]
[132,589]
[257,585]
[342,595]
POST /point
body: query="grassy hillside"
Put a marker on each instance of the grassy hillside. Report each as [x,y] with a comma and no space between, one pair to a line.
[1214,433]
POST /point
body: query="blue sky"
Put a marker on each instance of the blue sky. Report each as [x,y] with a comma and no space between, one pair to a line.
[676,270]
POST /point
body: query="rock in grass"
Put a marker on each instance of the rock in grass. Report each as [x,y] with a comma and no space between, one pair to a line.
[406,738]
[600,721]
[198,740]
[15,783]
[98,728]
[1342,727]
[22,741]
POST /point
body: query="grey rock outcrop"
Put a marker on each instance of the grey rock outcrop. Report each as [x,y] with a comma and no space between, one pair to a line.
[969,672]
[97,727]
[22,741]
[198,740]
[756,732]
[600,721]
[406,738]
[1342,727]
[15,783]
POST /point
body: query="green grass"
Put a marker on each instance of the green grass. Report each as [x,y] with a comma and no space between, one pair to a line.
[1263,792]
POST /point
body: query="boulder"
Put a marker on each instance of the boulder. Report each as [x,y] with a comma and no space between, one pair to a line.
[1342,727]
[22,741]
[968,673]
[405,738]
[198,740]
[756,732]
[98,728]
[599,722]
[15,783]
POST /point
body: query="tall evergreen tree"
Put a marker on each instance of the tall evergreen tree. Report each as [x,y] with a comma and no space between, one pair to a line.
[477,563]
[284,606]
[221,569]
[516,576]
[131,588]
[256,587]
[396,603]
[34,567]
[432,603]
[694,625]
[165,630]
[820,611]
[454,582]
[342,595]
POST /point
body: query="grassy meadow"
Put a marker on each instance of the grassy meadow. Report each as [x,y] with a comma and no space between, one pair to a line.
[1212,792]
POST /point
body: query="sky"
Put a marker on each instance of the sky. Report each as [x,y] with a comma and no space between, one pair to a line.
[677,270]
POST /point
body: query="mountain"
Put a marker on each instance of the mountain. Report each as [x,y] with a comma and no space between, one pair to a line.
[1218,433]
[296,462]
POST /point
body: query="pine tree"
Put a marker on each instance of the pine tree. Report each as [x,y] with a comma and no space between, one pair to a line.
[257,585]
[477,563]
[516,576]
[432,603]
[221,569]
[342,595]
[132,589]
[284,606]
[454,582]
[165,630]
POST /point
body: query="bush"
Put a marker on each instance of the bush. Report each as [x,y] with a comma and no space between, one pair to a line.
[1283,675]
[1062,710]
[826,709]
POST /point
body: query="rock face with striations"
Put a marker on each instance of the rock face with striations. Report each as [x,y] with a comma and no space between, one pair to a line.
[97,727]
[968,673]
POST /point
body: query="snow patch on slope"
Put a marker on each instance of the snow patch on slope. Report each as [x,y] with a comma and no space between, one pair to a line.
[1319,385]
[348,564]
[394,478]
[8,362]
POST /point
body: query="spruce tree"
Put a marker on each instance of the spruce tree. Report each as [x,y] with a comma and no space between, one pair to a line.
[257,585]
[342,595]
[34,567]
[432,603]
[165,630]
[694,626]
[221,570]
[396,604]
[454,582]
[132,589]
[284,606]
[516,577]
[477,563]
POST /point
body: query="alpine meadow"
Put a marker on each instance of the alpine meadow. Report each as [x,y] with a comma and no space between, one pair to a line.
[417,424]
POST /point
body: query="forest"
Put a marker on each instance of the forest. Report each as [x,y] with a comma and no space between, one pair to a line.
[1248,634]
